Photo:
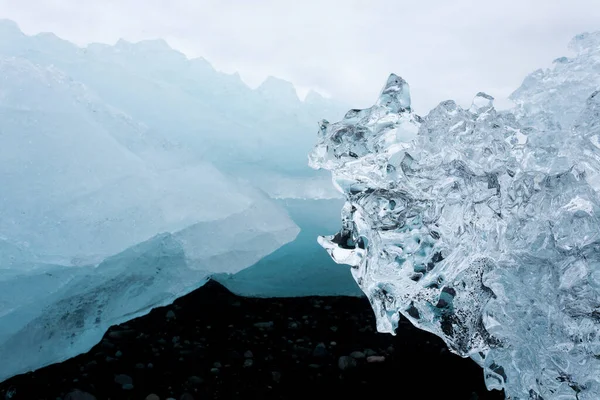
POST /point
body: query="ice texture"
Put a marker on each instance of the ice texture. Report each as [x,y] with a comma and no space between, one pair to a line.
[101,220]
[481,226]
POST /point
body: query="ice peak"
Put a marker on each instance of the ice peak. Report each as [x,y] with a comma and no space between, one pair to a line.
[8,26]
[395,94]
[278,88]
[588,42]
[481,103]
[313,97]
[148,45]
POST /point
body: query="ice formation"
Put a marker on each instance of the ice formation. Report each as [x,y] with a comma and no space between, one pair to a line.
[481,226]
[100,220]
[130,173]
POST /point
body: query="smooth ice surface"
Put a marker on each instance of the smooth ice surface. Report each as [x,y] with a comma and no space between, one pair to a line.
[482,227]
[103,217]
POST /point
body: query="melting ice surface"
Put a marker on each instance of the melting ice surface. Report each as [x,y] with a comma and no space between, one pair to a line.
[481,226]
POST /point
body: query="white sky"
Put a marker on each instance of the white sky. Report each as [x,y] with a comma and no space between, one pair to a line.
[445,49]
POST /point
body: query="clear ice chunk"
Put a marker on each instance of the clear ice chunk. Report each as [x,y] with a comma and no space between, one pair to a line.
[481,226]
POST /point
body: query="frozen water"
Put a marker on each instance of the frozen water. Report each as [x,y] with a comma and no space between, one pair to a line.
[129,173]
[482,227]
[100,220]
[201,112]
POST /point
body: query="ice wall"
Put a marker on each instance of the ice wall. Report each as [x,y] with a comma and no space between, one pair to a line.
[101,219]
[482,227]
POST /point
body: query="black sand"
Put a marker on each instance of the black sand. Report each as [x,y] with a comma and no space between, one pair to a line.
[212,344]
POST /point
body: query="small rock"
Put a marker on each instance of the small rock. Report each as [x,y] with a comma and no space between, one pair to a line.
[121,334]
[123,379]
[118,354]
[248,354]
[217,365]
[171,315]
[195,381]
[333,329]
[248,363]
[276,376]
[79,395]
[359,355]
[105,344]
[127,386]
[293,325]
[264,325]
[186,396]
[91,364]
[375,359]
[345,363]
[150,365]
[140,366]
[314,366]
[152,397]
[175,339]
[370,352]
[320,351]
[333,343]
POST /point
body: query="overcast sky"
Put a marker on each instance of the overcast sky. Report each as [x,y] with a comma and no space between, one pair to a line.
[445,49]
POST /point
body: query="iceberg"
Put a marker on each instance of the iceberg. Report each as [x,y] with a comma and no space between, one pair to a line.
[482,227]
[102,219]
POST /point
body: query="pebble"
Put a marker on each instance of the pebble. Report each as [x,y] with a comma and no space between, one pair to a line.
[276,376]
[345,363]
[248,362]
[293,325]
[127,386]
[320,351]
[107,345]
[264,325]
[248,354]
[195,380]
[375,359]
[140,366]
[186,396]
[118,354]
[79,395]
[359,355]
[171,315]
[121,334]
[152,396]
[370,352]
[123,379]
[150,365]
[214,370]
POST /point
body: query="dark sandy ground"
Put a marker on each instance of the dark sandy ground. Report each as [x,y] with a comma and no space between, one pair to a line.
[212,344]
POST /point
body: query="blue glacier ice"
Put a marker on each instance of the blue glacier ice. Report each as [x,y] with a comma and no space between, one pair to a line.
[130,174]
[480,226]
